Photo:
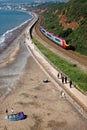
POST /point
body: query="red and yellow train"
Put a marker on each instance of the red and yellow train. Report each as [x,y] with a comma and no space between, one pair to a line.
[60,41]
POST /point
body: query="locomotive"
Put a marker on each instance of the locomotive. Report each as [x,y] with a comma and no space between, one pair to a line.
[60,41]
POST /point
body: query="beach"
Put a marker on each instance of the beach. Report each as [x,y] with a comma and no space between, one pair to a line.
[41,102]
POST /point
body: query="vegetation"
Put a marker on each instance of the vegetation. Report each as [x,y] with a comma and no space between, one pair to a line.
[74,10]
[74,73]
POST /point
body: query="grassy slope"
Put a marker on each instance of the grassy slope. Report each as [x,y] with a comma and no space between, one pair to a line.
[74,10]
[74,73]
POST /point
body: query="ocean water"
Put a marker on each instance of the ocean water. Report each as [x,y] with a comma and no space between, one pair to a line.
[10,23]
[9,19]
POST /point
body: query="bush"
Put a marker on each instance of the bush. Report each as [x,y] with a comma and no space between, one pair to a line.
[65,33]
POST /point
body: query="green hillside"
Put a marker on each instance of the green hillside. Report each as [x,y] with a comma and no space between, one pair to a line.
[75,22]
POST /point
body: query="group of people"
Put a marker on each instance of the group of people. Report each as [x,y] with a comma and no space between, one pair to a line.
[64,79]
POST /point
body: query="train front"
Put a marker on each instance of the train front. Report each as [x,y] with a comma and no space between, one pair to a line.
[66,44]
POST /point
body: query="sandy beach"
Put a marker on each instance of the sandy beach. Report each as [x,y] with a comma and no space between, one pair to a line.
[41,102]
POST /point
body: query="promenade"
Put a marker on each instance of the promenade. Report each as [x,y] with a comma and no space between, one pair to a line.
[77,99]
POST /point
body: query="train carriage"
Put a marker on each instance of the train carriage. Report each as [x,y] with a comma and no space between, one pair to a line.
[56,39]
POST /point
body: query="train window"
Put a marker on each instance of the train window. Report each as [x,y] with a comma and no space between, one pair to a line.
[57,39]
[43,31]
[67,41]
[48,35]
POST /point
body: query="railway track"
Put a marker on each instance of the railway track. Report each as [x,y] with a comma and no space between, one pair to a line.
[69,55]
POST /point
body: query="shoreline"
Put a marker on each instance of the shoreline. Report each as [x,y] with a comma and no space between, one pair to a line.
[8,59]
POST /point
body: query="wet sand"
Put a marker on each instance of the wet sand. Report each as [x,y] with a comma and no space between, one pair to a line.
[11,66]
[41,102]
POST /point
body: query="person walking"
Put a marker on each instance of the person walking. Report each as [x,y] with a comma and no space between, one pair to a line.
[65,79]
[6,111]
[62,94]
[61,75]
[62,79]
[58,75]
[12,110]
[70,83]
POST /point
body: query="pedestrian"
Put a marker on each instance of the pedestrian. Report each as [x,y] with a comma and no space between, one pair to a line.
[70,83]
[61,75]
[6,111]
[58,75]
[62,94]
[62,79]
[12,110]
[65,79]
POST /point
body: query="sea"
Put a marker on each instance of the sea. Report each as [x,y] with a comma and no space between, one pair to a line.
[11,19]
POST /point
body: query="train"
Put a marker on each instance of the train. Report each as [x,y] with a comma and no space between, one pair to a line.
[60,41]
